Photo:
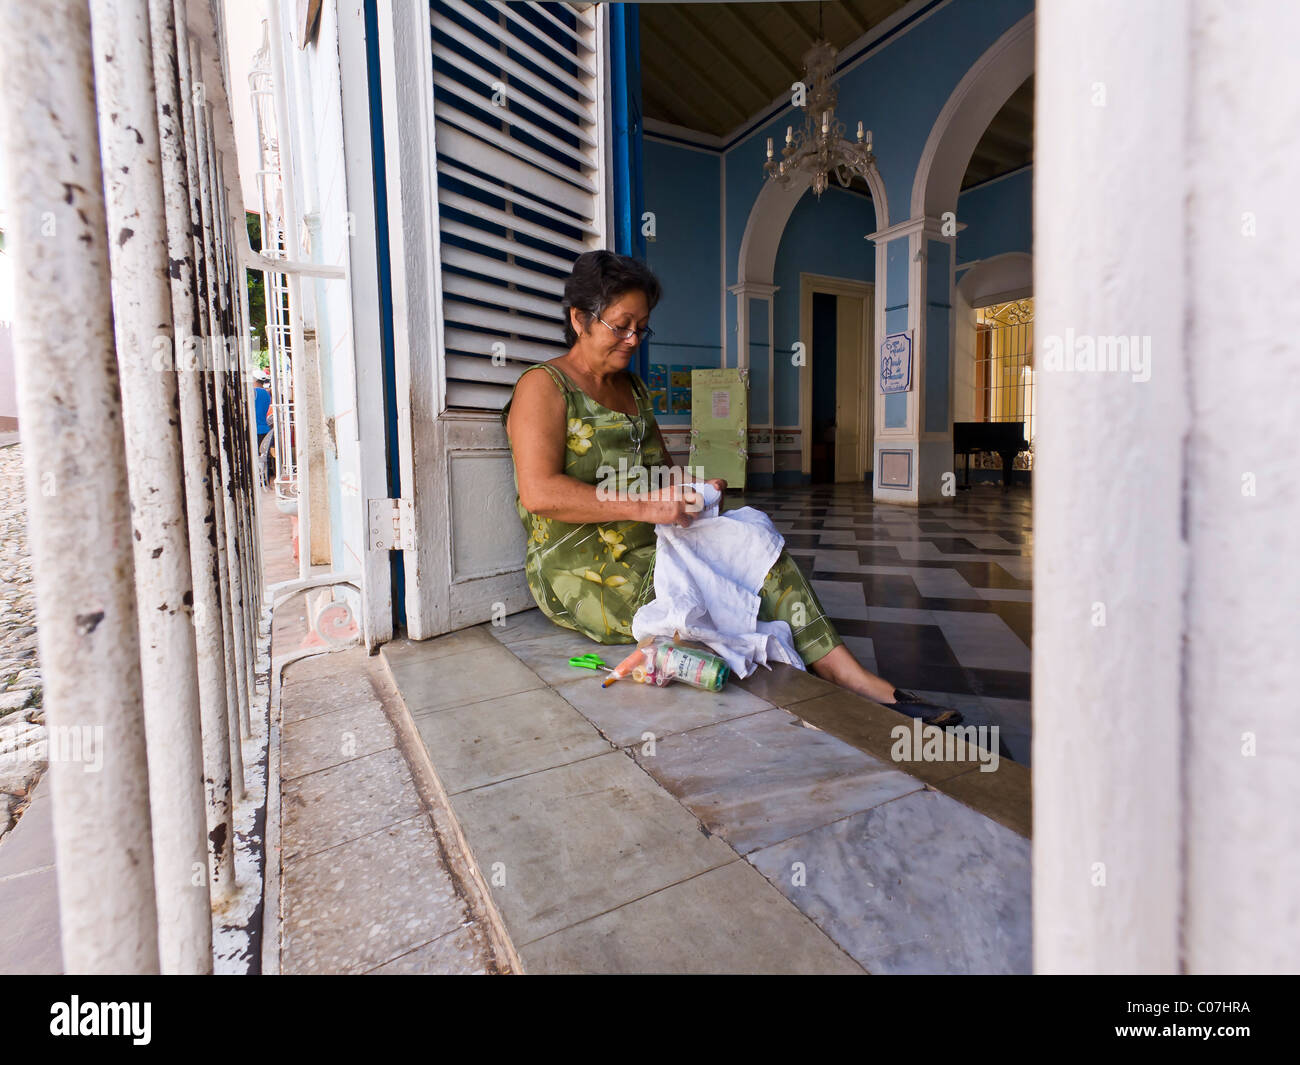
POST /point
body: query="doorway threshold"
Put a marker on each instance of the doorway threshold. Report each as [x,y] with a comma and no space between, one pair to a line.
[638,829]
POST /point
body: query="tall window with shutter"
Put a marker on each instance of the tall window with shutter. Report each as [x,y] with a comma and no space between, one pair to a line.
[519,126]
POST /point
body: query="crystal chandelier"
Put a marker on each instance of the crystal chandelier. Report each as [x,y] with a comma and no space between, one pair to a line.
[820,148]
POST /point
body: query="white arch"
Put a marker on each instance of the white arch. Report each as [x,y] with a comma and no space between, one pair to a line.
[769,215]
[1000,278]
[977,98]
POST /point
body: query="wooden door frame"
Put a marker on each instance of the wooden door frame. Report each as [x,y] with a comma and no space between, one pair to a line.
[837,286]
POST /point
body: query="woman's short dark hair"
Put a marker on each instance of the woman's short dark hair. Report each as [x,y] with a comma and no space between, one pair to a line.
[598,279]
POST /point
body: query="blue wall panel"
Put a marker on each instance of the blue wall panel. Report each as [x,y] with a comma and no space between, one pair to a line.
[822,237]
[682,190]
[938,313]
[999,217]
[896,271]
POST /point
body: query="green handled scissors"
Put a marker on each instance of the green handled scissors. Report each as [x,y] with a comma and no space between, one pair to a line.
[587,661]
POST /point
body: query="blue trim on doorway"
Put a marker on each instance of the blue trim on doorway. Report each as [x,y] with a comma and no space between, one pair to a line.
[389,360]
[628,179]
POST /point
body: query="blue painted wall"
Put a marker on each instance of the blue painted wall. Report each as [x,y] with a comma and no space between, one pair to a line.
[938,315]
[826,236]
[898,91]
[999,217]
[681,188]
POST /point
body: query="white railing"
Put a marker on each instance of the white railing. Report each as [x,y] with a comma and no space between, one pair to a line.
[141,471]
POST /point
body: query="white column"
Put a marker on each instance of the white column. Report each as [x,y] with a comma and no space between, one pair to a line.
[917,459]
[197,461]
[1243,511]
[78,515]
[1165,750]
[223,395]
[189,83]
[137,227]
[1109,557]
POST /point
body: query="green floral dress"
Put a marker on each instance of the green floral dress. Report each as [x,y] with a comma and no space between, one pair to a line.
[594,576]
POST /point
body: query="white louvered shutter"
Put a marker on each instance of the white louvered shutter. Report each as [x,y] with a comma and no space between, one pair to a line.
[521,182]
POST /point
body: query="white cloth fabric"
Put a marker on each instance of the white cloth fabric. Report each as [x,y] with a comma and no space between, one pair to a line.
[707,578]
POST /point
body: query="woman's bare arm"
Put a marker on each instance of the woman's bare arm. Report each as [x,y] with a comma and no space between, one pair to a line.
[538,433]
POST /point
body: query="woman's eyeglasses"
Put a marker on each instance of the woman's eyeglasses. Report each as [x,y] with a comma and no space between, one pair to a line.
[626,334]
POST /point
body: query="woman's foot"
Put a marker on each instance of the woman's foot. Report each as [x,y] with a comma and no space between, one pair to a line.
[906,702]
[840,667]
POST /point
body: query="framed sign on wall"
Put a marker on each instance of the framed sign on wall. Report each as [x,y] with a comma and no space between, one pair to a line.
[896,363]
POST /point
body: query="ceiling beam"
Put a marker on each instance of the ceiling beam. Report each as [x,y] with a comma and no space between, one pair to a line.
[683,12]
[804,27]
[653,104]
[687,65]
[692,116]
[791,72]
[847,9]
[1003,143]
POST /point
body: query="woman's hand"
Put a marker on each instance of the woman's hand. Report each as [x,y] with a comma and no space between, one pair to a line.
[721,486]
[679,508]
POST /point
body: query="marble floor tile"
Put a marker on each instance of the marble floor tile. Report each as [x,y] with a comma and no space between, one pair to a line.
[466,677]
[1002,793]
[837,561]
[580,840]
[909,548]
[988,541]
[482,743]
[1020,744]
[1020,567]
[459,953]
[1012,595]
[838,536]
[943,584]
[402,653]
[548,657]
[1011,714]
[526,625]
[923,884]
[728,920]
[872,729]
[325,740]
[782,683]
[305,694]
[900,615]
[983,641]
[370,901]
[764,778]
[314,820]
[841,599]
[626,711]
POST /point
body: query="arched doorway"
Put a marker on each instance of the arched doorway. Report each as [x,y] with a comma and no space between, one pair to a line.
[755,288]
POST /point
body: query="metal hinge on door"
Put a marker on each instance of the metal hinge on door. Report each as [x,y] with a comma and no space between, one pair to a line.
[392,525]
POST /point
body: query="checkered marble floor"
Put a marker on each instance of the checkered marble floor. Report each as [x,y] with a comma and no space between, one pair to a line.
[937,599]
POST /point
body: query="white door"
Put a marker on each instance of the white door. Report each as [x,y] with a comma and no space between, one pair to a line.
[496,183]
[850,368]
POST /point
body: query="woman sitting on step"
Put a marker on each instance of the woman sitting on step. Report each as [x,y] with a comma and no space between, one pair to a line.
[586,410]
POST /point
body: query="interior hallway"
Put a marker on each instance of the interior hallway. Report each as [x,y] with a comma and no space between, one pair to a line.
[937,598]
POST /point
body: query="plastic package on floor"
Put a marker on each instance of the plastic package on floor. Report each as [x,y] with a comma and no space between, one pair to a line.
[660,661]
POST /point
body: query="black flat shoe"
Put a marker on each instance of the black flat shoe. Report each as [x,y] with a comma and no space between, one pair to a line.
[911,704]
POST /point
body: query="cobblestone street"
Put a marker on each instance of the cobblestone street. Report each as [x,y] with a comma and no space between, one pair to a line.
[22,729]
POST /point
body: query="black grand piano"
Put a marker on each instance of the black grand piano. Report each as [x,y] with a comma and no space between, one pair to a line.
[1006,438]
